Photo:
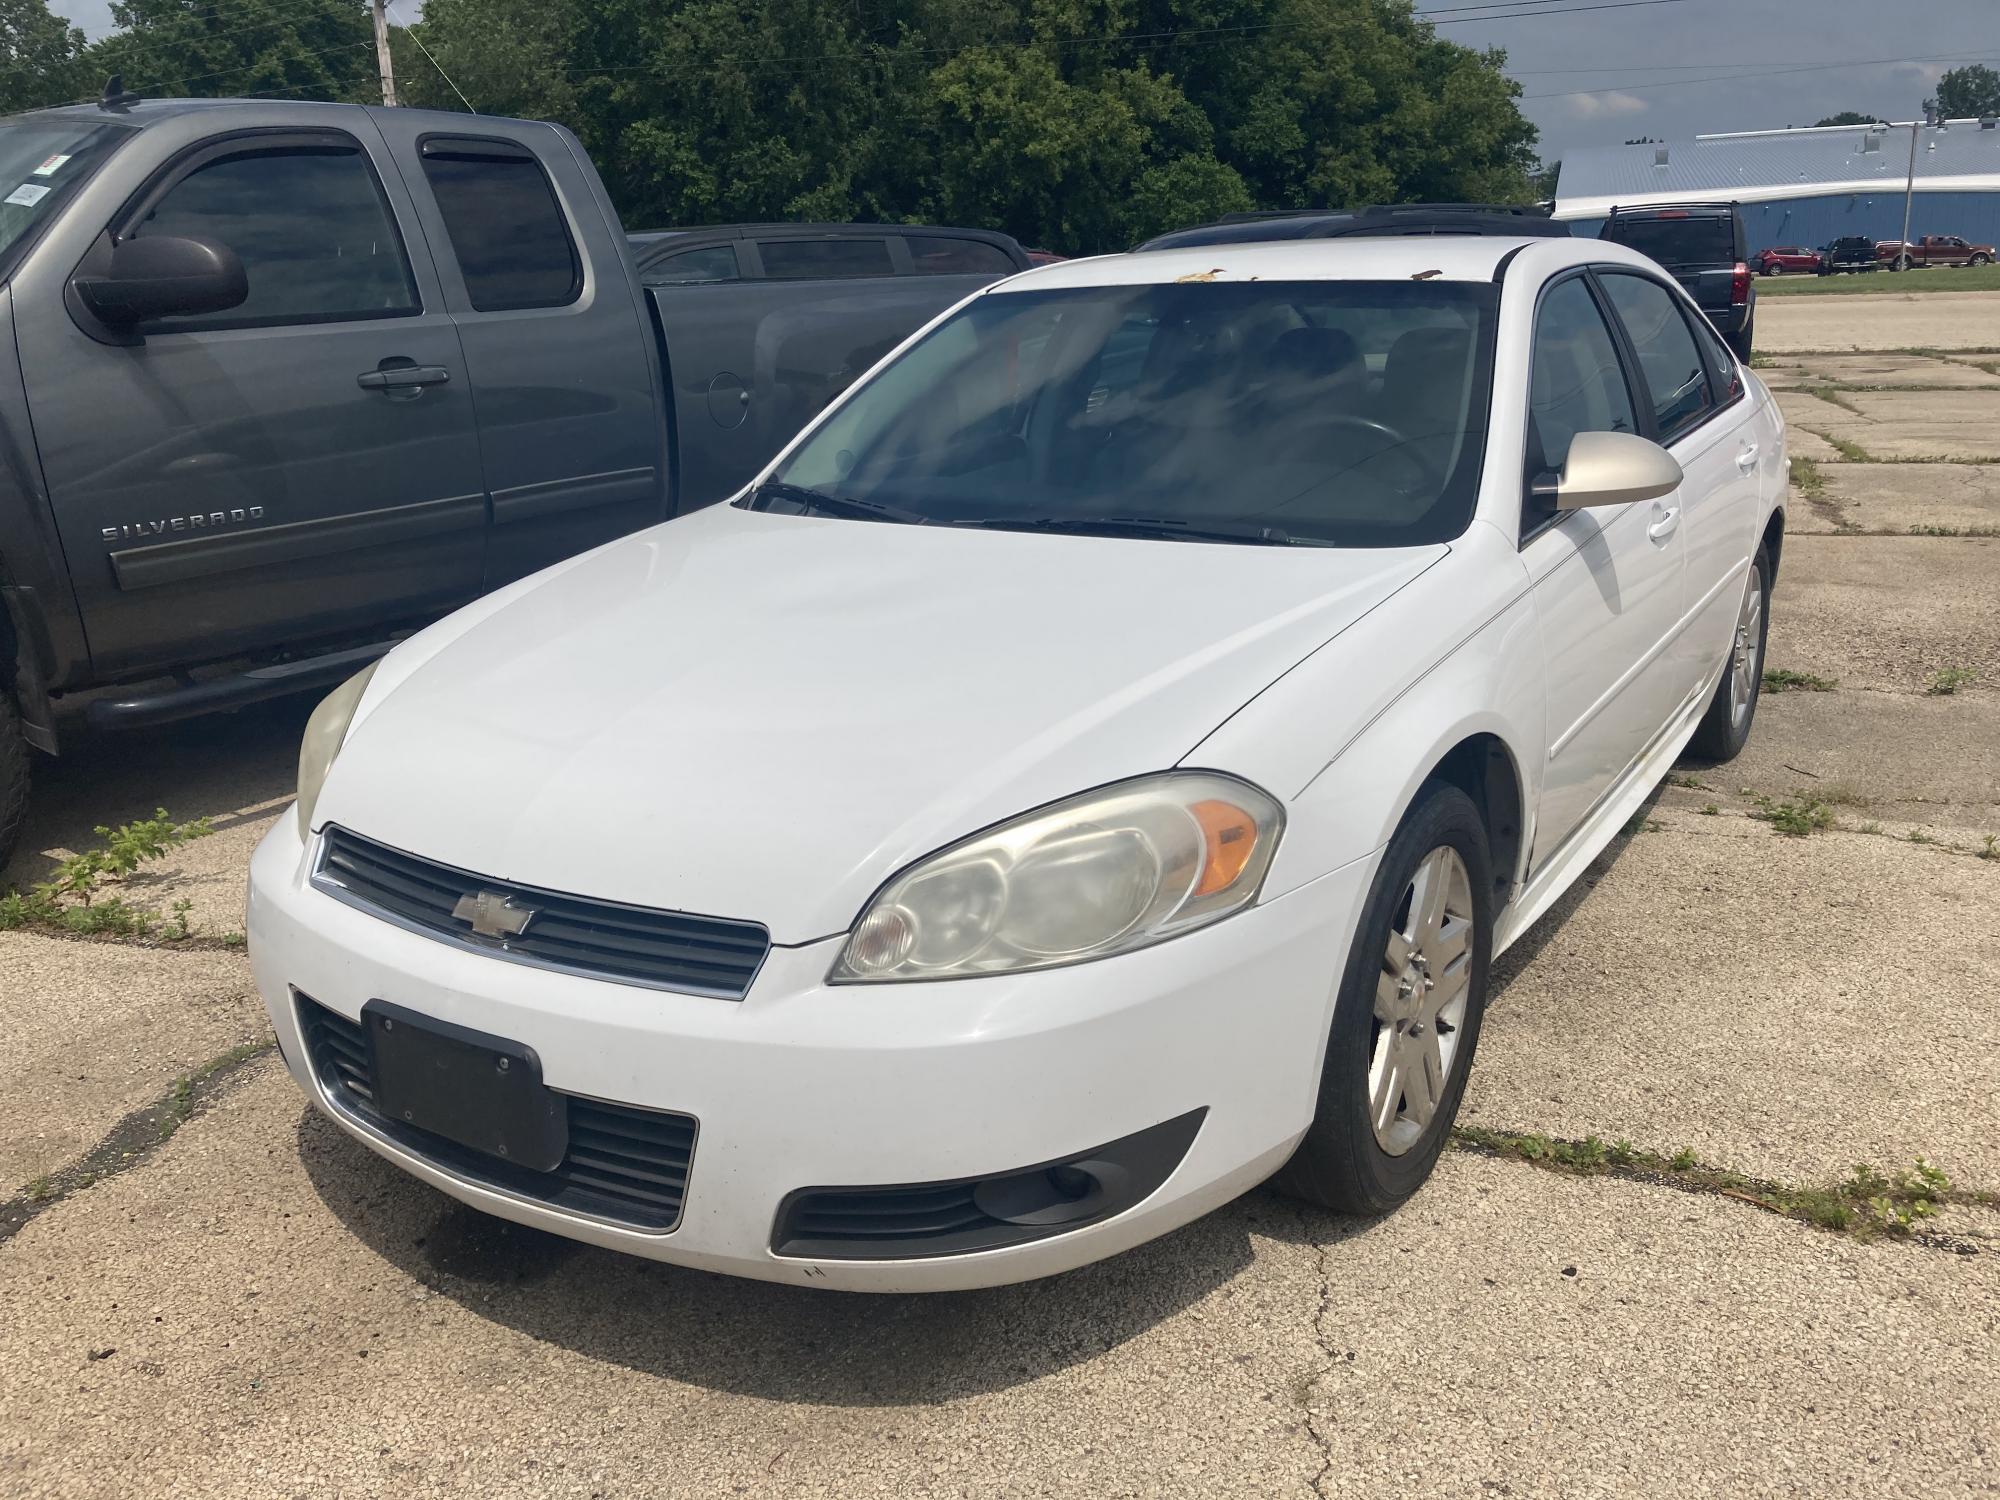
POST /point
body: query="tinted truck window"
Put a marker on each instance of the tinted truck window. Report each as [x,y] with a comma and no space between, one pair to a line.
[935,255]
[507,230]
[1677,242]
[315,238]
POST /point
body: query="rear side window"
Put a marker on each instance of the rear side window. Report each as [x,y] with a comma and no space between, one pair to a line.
[507,231]
[1577,384]
[936,255]
[1668,354]
[310,226]
[811,260]
[1705,241]
[707,263]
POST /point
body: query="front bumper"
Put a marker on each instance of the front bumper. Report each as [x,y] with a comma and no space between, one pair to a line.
[802,1084]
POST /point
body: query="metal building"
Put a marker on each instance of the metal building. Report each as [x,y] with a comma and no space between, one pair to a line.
[1803,187]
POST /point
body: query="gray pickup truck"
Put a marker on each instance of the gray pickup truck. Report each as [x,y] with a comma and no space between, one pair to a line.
[281,382]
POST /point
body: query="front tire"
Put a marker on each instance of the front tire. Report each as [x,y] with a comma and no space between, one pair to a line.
[1725,729]
[13,777]
[1406,1020]
[1980,260]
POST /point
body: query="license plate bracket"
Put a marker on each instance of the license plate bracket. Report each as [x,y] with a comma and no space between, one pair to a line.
[481,1091]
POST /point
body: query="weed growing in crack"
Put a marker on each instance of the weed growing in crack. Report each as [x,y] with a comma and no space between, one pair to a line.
[1794,816]
[1946,681]
[1785,680]
[81,897]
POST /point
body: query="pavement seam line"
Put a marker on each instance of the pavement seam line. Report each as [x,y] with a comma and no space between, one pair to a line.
[136,1136]
[1842,1208]
[1323,1260]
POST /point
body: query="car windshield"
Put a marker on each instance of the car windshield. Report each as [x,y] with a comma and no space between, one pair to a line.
[1343,413]
[37,159]
[1701,241]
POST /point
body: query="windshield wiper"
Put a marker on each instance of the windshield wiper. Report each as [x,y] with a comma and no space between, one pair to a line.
[819,502]
[1152,526]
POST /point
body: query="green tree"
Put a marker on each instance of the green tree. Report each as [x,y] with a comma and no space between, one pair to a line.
[286,49]
[38,56]
[1848,117]
[1078,124]
[1966,92]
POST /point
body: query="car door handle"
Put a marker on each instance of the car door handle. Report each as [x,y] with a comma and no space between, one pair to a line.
[398,377]
[1747,459]
[1664,523]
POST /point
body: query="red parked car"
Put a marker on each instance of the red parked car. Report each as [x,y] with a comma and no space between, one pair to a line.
[1782,260]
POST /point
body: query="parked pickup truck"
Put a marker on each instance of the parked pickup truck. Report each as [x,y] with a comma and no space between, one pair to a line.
[1932,250]
[1701,246]
[281,382]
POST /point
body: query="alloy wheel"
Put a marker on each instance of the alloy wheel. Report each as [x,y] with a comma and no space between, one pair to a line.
[1420,1000]
[1746,657]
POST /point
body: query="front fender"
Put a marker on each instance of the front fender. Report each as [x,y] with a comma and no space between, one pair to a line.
[1348,737]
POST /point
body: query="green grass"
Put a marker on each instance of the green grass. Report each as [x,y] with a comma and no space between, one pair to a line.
[1785,680]
[1884,283]
[1796,816]
[1948,680]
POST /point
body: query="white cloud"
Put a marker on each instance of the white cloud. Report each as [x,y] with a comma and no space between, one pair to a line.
[1607,102]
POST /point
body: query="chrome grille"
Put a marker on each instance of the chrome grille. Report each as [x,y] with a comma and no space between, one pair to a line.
[580,935]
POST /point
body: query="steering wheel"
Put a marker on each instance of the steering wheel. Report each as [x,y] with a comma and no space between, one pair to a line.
[1396,441]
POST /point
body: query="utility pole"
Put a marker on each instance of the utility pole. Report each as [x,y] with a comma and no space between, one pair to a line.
[1909,190]
[388,63]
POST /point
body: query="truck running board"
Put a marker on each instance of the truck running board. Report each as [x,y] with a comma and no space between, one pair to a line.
[141,710]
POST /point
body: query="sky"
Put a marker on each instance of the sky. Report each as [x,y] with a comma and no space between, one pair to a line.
[1630,68]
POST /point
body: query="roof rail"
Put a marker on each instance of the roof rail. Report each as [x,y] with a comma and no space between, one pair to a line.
[1388,219]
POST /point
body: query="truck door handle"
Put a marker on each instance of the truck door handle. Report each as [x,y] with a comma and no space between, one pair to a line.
[1747,459]
[396,375]
[1664,522]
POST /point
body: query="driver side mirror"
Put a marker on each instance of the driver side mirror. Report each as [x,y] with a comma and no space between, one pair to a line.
[1614,468]
[163,276]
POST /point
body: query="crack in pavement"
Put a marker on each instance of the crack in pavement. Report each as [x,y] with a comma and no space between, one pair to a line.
[134,1139]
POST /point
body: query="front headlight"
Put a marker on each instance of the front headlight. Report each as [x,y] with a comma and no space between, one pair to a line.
[1112,870]
[325,731]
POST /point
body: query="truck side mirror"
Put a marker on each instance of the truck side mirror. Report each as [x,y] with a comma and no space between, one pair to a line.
[163,276]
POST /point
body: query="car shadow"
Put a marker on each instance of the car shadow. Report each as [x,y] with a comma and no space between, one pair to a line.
[230,768]
[766,1339]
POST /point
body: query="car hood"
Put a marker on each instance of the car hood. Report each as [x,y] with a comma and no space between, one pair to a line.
[764,716]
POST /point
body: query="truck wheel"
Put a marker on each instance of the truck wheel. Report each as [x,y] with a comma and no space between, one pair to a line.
[1903,263]
[1980,260]
[13,777]
[1739,341]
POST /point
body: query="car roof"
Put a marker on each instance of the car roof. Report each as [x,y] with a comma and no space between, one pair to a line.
[1431,257]
[155,111]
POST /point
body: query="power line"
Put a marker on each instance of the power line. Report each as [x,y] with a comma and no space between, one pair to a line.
[411,33]
[1681,83]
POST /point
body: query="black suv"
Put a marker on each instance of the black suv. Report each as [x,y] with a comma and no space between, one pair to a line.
[1701,246]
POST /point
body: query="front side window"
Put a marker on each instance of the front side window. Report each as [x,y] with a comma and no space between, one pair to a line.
[1321,412]
[1576,384]
[507,231]
[315,237]
[1667,351]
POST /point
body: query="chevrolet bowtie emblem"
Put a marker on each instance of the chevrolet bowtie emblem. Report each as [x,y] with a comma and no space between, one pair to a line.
[493,915]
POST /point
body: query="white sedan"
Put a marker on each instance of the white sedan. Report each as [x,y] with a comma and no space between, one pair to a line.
[1090,772]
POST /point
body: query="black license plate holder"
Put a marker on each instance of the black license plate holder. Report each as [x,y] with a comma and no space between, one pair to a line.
[480,1091]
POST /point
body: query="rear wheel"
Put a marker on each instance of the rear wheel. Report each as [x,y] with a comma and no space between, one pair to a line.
[13,777]
[1725,728]
[1407,1016]
[1739,341]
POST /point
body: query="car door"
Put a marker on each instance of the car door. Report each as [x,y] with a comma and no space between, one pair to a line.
[538,276]
[302,466]
[1607,580]
[1707,427]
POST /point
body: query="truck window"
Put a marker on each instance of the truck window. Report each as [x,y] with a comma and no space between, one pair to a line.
[936,255]
[38,159]
[812,260]
[316,239]
[507,230]
[704,263]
